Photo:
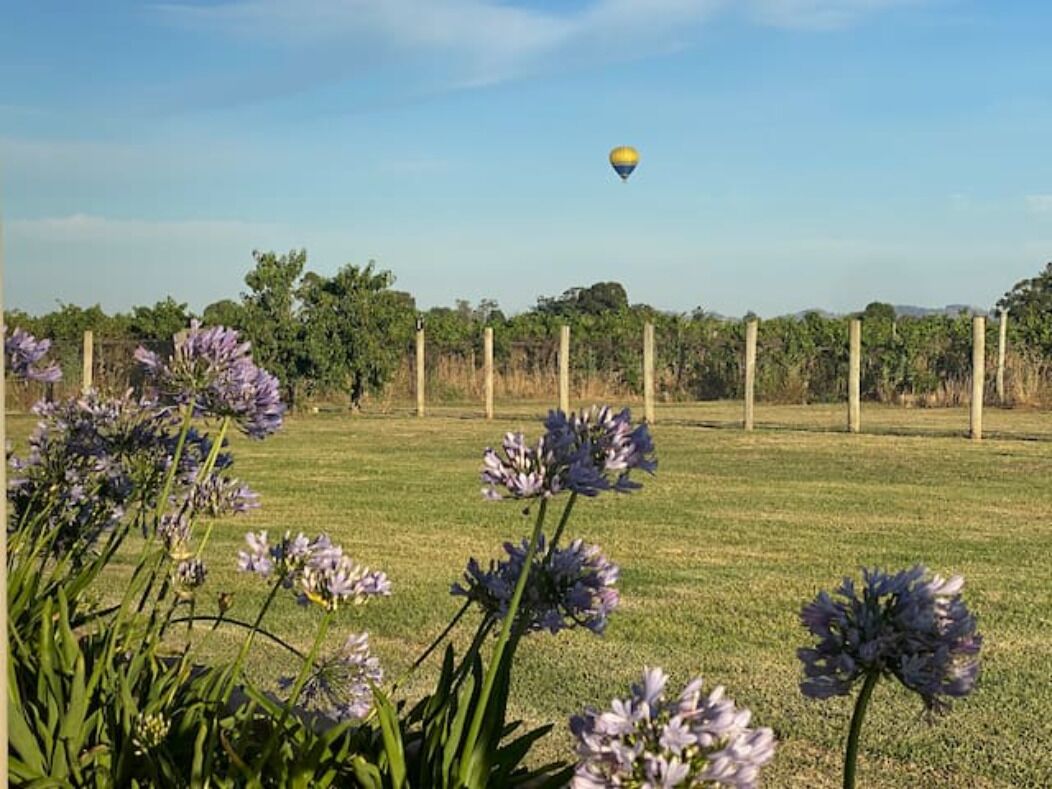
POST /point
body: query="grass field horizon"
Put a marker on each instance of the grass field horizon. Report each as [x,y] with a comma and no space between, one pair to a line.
[718,552]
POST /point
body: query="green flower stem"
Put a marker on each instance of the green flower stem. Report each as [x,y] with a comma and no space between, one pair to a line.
[162,502]
[115,630]
[502,642]
[205,471]
[202,474]
[297,688]
[155,632]
[213,453]
[476,644]
[169,478]
[153,579]
[235,668]
[851,756]
[562,525]
[226,687]
[434,645]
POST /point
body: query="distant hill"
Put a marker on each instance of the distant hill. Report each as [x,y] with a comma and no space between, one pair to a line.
[906,311]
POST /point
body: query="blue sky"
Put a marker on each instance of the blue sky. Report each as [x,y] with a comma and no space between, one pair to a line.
[795,153]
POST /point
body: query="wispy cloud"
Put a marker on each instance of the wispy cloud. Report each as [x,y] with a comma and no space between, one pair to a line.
[819,14]
[1039,204]
[469,43]
[85,228]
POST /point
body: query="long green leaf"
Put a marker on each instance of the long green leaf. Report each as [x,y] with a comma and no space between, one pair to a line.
[392,737]
[368,775]
[23,740]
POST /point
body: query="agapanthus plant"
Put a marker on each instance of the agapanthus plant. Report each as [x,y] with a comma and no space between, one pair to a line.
[571,587]
[190,574]
[339,686]
[586,453]
[96,461]
[518,470]
[25,356]
[597,449]
[212,371]
[909,625]
[652,740]
[91,460]
[319,572]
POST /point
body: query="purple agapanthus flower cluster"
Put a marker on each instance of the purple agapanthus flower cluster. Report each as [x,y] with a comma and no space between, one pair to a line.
[25,357]
[190,574]
[174,530]
[319,572]
[649,740]
[599,448]
[340,687]
[518,470]
[573,587]
[90,460]
[217,495]
[589,452]
[96,460]
[908,625]
[212,369]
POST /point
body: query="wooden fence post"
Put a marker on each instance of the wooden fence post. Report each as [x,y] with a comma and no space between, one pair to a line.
[87,378]
[564,368]
[854,377]
[420,369]
[648,372]
[1002,347]
[978,375]
[750,371]
[487,361]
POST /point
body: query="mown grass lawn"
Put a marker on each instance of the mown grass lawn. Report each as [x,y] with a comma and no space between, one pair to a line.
[718,552]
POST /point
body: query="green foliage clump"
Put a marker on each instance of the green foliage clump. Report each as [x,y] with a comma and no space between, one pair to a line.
[350,333]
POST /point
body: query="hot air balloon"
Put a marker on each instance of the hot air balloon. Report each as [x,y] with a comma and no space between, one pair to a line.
[624,159]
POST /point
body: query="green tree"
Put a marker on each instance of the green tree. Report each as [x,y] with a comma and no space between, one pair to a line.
[488,312]
[1029,305]
[357,329]
[225,312]
[159,322]
[270,317]
[879,311]
[602,297]
[68,323]
[597,299]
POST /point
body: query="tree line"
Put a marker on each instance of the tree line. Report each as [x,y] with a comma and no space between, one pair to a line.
[350,333]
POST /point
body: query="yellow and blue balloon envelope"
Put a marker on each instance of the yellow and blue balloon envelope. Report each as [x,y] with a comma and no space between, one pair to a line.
[624,159]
